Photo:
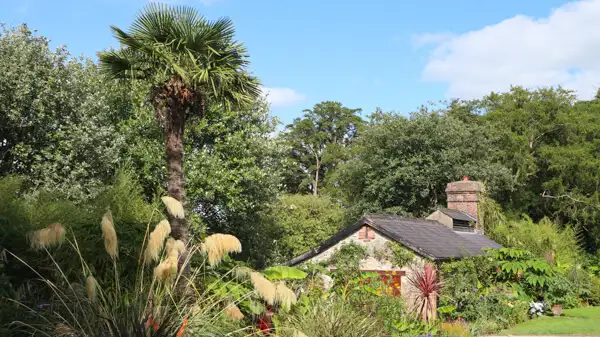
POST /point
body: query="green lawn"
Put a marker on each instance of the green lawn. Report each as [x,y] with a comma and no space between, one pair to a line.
[581,321]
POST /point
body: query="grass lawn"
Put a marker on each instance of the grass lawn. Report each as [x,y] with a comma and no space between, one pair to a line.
[581,321]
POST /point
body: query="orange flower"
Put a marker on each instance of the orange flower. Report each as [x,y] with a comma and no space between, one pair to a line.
[182,329]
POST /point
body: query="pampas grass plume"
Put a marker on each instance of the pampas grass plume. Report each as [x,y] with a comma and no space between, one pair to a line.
[110,235]
[62,330]
[242,273]
[168,268]
[232,311]
[217,245]
[157,238]
[284,296]
[264,287]
[174,207]
[51,235]
[174,247]
[90,285]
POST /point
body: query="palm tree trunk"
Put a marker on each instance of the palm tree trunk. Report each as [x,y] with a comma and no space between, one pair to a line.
[173,134]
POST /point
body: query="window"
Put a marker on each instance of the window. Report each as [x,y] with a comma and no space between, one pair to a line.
[462,226]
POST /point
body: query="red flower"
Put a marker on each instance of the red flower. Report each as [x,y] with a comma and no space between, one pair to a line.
[182,329]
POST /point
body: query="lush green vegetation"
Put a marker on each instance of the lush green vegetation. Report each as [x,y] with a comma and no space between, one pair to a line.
[89,151]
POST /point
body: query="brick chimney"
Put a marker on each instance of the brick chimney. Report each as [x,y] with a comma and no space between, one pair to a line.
[464,196]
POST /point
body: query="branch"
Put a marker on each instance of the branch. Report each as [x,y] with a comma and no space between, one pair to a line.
[568,196]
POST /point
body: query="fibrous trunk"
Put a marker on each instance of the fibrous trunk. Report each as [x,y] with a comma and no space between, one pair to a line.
[171,103]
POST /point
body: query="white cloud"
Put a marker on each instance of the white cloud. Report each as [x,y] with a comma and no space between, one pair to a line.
[282,97]
[560,49]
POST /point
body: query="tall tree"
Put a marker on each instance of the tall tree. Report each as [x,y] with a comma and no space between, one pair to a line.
[318,141]
[402,165]
[58,117]
[192,62]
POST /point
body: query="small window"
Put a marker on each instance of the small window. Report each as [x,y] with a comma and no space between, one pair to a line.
[462,226]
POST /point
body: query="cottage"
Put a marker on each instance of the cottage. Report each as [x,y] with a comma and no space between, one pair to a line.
[450,233]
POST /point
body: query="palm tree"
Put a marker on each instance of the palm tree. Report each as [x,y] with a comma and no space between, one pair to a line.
[191,63]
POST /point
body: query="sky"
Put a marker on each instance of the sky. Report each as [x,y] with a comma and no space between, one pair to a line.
[392,54]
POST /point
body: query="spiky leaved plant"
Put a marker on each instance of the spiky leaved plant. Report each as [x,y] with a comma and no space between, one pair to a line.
[428,286]
[150,308]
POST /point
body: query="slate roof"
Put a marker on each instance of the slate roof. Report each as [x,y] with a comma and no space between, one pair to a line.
[458,215]
[427,238]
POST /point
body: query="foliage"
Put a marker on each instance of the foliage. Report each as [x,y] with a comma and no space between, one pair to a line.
[395,253]
[318,143]
[154,304]
[283,272]
[471,287]
[544,239]
[317,317]
[58,117]
[402,165]
[455,329]
[21,213]
[549,142]
[303,222]
[346,260]
[561,291]
[414,326]
[517,265]
[428,286]
[233,175]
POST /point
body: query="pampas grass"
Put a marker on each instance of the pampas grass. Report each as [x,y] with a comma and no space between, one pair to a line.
[284,296]
[62,330]
[232,311]
[91,287]
[110,235]
[217,245]
[174,246]
[242,273]
[157,238]
[52,235]
[264,287]
[168,268]
[174,207]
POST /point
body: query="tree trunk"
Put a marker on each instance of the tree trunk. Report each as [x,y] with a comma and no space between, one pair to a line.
[173,134]
[316,180]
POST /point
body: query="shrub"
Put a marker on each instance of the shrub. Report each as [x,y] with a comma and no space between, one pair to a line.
[428,285]
[321,317]
[471,287]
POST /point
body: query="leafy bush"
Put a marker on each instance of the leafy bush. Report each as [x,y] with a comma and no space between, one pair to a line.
[323,317]
[544,239]
[471,287]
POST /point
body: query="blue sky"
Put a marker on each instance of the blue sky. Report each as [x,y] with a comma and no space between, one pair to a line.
[393,54]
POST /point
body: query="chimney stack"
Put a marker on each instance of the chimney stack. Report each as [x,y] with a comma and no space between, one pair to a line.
[464,196]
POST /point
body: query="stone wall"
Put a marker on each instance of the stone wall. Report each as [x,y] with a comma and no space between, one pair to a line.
[374,241]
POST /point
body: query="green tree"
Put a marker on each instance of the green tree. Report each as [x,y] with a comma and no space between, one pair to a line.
[402,165]
[58,118]
[550,143]
[318,143]
[192,62]
[303,222]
